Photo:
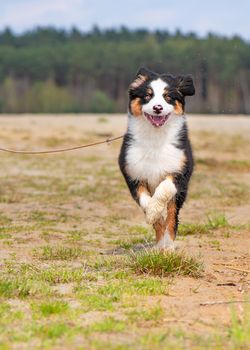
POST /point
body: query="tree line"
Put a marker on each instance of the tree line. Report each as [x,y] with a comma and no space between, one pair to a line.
[48,70]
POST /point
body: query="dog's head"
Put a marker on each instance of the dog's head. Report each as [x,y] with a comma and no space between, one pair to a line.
[158,96]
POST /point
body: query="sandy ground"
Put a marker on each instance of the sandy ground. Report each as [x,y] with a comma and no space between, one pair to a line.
[220,185]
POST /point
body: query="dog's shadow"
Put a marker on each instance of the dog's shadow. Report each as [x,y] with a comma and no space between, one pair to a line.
[123,251]
[135,248]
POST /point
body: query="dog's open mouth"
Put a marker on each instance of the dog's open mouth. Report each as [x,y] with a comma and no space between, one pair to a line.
[157,120]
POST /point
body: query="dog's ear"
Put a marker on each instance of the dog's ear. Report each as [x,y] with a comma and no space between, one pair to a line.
[185,85]
[141,76]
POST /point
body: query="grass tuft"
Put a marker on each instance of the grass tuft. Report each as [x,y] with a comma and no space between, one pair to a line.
[22,288]
[154,262]
[60,253]
[109,324]
[239,331]
[214,222]
[53,307]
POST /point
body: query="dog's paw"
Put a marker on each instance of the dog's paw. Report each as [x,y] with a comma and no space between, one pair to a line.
[165,191]
[154,211]
[166,250]
[166,244]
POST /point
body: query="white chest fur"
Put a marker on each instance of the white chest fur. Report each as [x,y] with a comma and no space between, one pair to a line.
[152,153]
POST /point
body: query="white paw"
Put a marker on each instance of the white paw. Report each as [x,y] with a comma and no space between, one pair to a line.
[165,191]
[166,244]
[166,249]
[154,210]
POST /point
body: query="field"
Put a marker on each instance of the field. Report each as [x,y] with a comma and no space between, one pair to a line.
[76,266]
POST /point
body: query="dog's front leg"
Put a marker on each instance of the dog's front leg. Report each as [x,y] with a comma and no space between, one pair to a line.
[156,206]
[143,197]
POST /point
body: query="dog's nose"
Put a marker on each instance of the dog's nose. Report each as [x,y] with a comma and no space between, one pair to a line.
[158,109]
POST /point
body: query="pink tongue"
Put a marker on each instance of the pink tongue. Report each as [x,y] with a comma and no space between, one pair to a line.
[158,120]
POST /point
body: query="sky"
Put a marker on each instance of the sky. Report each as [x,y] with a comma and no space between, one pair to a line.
[225,17]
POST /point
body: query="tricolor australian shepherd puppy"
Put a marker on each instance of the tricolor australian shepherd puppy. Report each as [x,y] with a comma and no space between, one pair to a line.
[156,156]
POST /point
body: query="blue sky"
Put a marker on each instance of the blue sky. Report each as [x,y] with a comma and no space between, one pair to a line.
[225,17]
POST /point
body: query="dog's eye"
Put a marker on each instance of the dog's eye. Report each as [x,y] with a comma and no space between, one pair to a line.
[148,97]
[167,98]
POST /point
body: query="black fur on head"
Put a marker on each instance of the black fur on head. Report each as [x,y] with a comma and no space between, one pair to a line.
[178,86]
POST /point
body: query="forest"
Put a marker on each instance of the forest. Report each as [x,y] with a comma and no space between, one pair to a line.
[48,70]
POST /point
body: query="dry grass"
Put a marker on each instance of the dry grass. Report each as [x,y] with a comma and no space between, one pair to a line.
[76,267]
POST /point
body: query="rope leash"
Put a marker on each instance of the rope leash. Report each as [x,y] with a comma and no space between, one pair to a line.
[59,150]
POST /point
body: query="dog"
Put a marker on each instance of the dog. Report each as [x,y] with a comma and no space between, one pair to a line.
[156,156]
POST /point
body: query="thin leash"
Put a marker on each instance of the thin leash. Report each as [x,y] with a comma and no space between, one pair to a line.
[60,150]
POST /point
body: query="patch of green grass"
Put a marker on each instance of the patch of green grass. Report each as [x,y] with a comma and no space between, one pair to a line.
[59,253]
[217,221]
[214,222]
[192,229]
[76,235]
[215,244]
[109,324]
[161,339]
[52,307]
[105,297]
[53,274]
[154,262]
[152,315]
[52,330]
[239,330]
[5,235]
[21,287]
[148,286]
[4,308]
[98,302]
[56,274]
[11,229]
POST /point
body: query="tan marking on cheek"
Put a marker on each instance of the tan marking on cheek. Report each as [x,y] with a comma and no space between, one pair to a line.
[171,219]
[178,108]
[136,107]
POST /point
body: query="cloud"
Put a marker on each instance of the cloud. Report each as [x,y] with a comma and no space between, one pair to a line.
[29,13]
[224,16]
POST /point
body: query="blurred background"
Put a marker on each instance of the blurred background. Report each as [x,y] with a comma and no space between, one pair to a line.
[77,56]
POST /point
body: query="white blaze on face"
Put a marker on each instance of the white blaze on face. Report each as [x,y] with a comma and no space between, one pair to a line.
[158,86]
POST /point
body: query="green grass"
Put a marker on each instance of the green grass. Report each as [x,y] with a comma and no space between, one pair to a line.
[151,316]
[21,288]
[68,276]
[214,222]
[51,330]
[154,262]
[52,307]
[59,253]
[124,291]
[239,330]
[108,325]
